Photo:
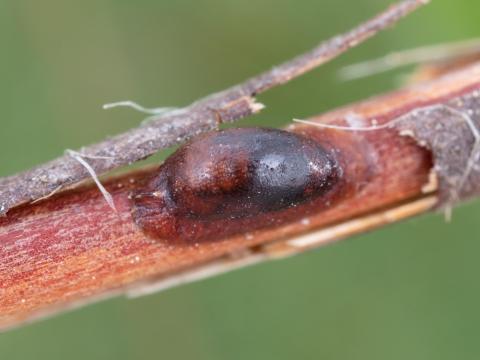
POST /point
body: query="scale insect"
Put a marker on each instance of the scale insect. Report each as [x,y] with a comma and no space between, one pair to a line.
[224,182]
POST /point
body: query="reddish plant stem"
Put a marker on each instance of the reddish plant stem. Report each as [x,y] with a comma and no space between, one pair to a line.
[71,248]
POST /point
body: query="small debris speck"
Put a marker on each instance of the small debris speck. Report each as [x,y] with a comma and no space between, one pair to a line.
[136,259]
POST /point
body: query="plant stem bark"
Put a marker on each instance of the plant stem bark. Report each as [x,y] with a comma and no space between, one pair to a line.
[72,249]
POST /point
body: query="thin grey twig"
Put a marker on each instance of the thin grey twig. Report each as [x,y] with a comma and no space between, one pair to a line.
[178,125]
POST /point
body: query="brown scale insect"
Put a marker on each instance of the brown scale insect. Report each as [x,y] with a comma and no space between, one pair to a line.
[226,182]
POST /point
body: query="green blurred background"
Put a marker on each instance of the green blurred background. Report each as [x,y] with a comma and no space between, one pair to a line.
[409,291]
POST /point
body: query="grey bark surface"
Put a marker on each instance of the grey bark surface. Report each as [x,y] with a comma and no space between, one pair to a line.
[451,131]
